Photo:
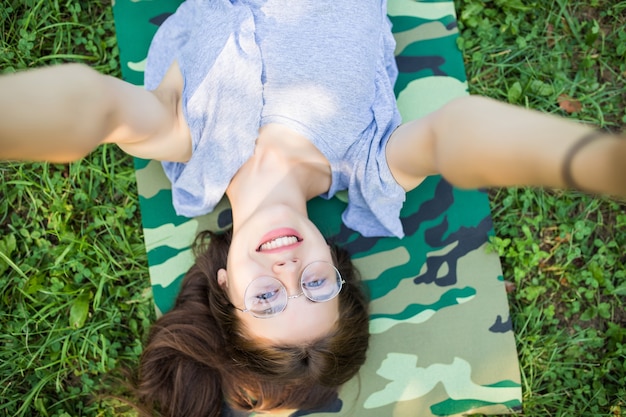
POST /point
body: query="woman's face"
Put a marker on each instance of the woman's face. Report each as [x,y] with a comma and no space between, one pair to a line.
[279,242]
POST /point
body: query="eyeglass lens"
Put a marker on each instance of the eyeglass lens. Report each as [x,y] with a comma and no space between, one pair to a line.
[267,296]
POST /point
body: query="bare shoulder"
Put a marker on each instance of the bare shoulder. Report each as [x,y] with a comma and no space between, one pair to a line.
[409,153]
[170,90]
[170,93]
[166,133]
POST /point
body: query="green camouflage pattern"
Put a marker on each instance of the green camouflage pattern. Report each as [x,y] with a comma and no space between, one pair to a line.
[442,342]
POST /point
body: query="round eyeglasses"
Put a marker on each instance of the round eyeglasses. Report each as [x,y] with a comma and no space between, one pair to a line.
[266,296]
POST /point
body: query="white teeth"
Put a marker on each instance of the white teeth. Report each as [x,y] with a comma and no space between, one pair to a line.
[279,243]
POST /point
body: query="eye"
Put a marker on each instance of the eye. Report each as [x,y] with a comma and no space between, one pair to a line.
[314,283]
[267,296]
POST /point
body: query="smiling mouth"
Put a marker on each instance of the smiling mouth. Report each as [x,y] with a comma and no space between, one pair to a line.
[278,243]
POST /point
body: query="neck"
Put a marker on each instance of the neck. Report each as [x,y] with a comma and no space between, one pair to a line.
[285,169]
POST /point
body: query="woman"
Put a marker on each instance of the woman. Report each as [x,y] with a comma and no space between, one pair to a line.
[274,104]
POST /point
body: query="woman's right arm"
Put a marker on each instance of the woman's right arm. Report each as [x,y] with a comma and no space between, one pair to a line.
[62,113]
[478,142]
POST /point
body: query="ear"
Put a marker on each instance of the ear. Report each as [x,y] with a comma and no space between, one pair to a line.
[222,278]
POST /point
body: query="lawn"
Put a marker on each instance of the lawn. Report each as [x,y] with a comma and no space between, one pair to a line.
[74,291]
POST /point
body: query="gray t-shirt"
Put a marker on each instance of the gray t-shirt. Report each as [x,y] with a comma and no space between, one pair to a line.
[324,68]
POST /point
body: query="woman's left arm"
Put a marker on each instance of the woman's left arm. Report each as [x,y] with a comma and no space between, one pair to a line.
[478,142]
[63,112]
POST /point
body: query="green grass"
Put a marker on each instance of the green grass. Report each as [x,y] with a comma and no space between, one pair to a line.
[74,297]
[74,288]
[564,251]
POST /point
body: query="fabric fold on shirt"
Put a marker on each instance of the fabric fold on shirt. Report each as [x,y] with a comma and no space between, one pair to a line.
[221,67]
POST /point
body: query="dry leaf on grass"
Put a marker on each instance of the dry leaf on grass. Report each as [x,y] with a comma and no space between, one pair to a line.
[569,104]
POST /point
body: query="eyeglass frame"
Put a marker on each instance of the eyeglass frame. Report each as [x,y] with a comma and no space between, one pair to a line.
[289,297]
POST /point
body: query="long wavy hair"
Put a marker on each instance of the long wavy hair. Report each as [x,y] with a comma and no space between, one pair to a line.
[197,356]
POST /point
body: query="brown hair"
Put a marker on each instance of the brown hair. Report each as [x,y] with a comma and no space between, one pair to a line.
[197,356]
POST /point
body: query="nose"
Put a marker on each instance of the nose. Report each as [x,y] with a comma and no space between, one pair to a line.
[288,272]
[284,266]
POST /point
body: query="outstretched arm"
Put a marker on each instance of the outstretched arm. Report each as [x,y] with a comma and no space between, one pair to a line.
[62,113]
[478,142]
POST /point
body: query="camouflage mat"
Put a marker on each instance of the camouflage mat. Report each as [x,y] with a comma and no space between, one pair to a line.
[442,342]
